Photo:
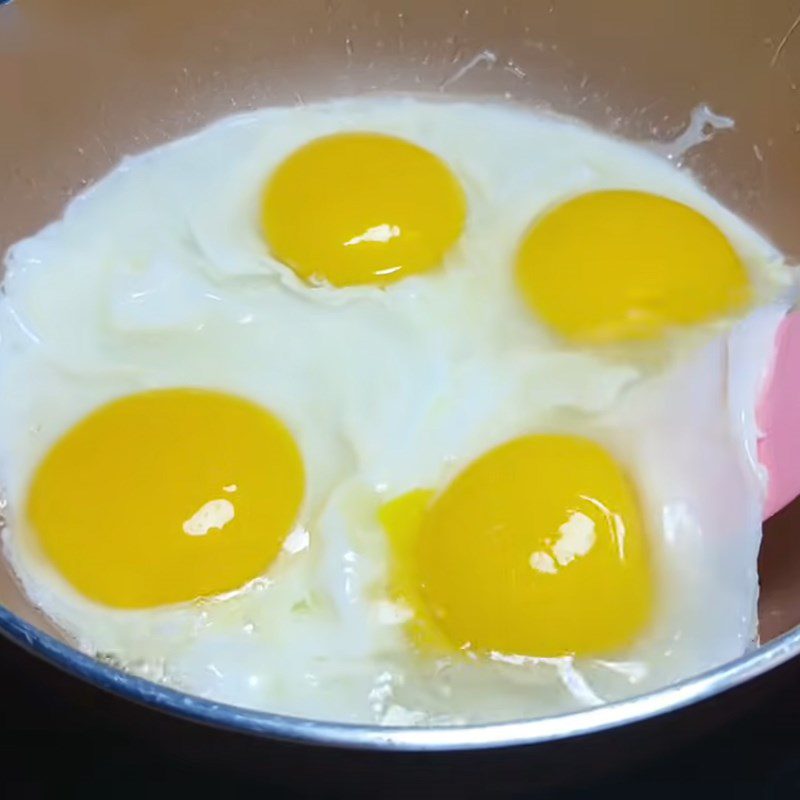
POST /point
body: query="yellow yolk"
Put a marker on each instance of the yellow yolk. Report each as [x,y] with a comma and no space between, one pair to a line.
[361,208]
[537,549]
[166,496]
[402,519]
[619,265]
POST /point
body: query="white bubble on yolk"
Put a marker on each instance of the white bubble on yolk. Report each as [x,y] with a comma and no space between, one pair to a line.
[577,538]
[378,233]
[213,514]
[542,562]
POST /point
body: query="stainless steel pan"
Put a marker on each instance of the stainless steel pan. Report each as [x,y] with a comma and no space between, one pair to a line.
[84,82]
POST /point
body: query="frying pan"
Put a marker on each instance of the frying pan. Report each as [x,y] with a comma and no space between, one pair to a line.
[85,82]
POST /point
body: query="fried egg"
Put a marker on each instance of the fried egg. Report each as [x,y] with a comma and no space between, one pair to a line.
[389,410]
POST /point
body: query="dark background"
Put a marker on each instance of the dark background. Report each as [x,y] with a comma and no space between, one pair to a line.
[63,739]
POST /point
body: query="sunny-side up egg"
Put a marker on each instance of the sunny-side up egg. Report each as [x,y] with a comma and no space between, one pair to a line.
[394,411]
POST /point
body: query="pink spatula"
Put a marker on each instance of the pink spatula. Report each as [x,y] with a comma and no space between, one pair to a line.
[779,419]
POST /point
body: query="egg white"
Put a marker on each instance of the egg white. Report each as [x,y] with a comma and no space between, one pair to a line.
[159,277]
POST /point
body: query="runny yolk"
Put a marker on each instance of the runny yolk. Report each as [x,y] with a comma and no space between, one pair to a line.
[166,496]
[536,549]
[361,208]
[620,265]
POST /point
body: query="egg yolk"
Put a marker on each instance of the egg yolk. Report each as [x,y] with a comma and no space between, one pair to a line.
[361,208]
[402,518]
[166,496]
[622,265]
[537,549]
